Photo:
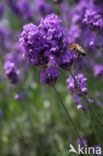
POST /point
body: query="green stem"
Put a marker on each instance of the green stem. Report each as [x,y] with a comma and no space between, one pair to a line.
[85,98]
[68,116]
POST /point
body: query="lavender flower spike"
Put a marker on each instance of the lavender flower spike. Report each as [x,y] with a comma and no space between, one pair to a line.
[47,43]
[11,71]
[81,82]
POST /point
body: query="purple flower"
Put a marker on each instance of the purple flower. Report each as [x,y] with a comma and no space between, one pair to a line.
[93,19]
[98,70]
[36,47]
[20,97]
[73,33]
[99,98]
[11,71]
[90,38]
[17,97]
[90,100]
[25,9]
[49,76]
[53,31]
[78,101]
[43,8]
[22,8]
[5,38]
[81,7]
[83,140]
[46,41]
[81,82]
[79,106]
[65,60]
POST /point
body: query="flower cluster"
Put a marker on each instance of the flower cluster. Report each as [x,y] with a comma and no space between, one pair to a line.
[36,48]
[73,88]
[46,44]
[11,71]
[93,19]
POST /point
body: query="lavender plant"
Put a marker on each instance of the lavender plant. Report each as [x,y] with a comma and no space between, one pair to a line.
[57,56]
[46,46]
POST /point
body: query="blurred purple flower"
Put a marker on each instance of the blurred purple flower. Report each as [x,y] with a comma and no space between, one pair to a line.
[20,97]
[22,8]
[78,101]
[42,7]
[93,19]
[11,71]
[73,33]
[17,97]
[83,140]
[99,98]
[81,82]
[5,38]
[98,70]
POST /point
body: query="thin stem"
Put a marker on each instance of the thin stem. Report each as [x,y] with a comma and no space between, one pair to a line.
[68,116]
[85,98]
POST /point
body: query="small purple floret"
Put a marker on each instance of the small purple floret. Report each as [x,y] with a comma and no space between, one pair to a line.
[49,76]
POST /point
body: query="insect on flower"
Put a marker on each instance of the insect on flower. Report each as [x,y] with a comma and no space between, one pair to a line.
[75,47]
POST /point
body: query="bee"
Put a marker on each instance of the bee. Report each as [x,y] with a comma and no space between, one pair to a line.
[75,47]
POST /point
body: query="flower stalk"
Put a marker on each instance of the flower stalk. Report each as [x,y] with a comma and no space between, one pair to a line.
[83,95]
[68,115]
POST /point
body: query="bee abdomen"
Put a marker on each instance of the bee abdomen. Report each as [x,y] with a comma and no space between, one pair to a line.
[75,47]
